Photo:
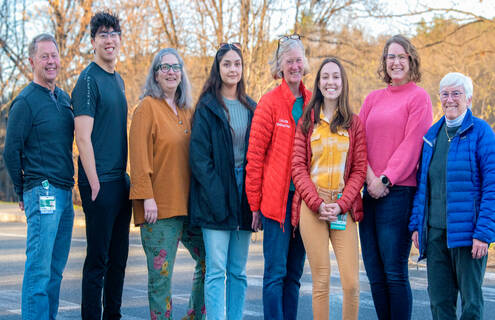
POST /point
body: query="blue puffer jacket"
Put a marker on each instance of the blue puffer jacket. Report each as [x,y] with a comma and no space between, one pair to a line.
[470,185]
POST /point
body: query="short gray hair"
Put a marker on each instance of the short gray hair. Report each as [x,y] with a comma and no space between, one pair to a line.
[33,46]
[183,96]
[278,57]
[454,79]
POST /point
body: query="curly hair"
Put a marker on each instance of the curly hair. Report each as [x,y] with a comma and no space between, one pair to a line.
[413,56]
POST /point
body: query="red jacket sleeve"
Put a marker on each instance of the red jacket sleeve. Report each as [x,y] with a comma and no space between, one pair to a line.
[358,166]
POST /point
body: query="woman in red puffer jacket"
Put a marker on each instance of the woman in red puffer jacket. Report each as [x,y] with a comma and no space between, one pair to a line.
[268,185]
[329,168]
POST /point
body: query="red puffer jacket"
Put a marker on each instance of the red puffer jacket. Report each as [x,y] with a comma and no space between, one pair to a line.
[354,173]
[269,153]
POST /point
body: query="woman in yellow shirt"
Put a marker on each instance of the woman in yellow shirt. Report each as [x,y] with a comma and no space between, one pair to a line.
[328,169]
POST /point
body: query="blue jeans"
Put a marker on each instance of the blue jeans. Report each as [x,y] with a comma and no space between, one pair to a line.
[47,250]
[284,264]
[385,245]
[226,254]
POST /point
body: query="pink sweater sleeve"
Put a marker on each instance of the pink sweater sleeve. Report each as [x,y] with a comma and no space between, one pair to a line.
[404,160]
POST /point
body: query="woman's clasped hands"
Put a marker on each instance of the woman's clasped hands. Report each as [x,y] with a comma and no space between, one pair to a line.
[329,211]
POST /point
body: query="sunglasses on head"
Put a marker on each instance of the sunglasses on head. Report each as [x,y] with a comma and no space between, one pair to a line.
[285,38]
[294,36]
[231,45]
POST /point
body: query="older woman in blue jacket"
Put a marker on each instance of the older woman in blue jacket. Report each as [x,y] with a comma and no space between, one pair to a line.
[453,218]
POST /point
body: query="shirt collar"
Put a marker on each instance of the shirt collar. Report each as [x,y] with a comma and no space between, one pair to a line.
[324,119]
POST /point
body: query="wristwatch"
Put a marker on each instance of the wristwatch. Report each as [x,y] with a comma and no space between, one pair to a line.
[385,180]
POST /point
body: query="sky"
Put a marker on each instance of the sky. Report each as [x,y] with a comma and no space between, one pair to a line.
[485,8]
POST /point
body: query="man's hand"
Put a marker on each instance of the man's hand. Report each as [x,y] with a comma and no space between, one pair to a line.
[150,210]
[21,205]
[480,249]
[95,189]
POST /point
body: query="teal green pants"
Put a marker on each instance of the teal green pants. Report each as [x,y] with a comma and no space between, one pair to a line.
[451,271]
[160,241]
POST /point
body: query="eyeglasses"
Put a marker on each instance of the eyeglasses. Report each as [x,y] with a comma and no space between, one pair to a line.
[286,38]
[444,95]
[106,35]
[231,45]
[165,67]
[401,57]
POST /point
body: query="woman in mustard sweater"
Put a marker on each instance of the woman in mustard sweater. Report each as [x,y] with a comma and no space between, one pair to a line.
[159,155]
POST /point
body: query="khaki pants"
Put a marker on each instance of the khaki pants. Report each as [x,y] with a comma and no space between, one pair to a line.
[315,234]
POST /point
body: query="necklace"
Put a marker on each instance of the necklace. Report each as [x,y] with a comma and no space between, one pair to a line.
[448,137]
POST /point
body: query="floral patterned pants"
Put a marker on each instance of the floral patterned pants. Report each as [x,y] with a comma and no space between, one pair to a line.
[160,241]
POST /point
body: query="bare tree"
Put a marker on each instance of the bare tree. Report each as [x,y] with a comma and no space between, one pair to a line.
[13,62]
[69,21]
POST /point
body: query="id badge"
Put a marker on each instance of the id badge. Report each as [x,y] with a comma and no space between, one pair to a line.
[47,204]
[340,223]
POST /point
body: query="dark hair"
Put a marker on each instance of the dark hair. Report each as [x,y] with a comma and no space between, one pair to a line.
[343,116]
[214,82]
[413,56]
[104,19]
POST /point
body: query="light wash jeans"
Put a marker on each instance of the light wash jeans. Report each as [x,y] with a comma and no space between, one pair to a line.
[226,254]
[47,249]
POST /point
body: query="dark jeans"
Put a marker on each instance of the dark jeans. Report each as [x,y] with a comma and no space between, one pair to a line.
[284,264]
[385,245]
[451,271]
[107,235]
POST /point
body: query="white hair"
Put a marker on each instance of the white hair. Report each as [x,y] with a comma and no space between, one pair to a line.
[278,57]
[454,79]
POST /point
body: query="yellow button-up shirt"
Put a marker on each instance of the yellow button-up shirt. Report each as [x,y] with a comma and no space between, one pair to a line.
[329,155]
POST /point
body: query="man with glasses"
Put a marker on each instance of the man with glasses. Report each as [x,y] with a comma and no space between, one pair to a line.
[100,110]
[38,156]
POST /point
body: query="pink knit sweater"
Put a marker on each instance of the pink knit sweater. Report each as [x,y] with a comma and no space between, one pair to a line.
[395,120]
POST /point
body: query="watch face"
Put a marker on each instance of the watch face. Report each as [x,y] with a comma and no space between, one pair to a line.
[385,180]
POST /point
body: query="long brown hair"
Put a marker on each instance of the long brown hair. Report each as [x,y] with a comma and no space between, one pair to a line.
[343,116]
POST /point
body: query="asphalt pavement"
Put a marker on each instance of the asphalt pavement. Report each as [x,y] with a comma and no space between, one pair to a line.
[135,304]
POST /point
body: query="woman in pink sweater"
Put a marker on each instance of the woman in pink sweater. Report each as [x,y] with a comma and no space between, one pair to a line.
[395,120]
